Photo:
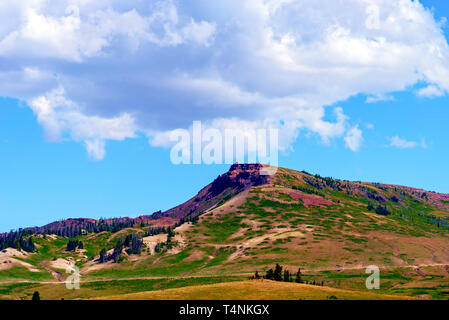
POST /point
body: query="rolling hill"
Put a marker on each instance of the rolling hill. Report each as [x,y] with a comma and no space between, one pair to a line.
[245,222]
[253,290]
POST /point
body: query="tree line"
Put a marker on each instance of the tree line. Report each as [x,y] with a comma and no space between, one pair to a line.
[20,240]
[284,275]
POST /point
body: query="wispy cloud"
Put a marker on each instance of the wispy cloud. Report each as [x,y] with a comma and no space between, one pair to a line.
[379,98]
[354,139]
[401,143]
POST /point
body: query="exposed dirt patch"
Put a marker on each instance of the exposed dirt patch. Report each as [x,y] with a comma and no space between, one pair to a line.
[11,252]
[8,260]
[62,264]
[180,238]
[95,266]
[152,241]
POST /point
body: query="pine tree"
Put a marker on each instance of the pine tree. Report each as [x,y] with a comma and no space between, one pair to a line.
[117,253]
[298,276]
[103,257]
[36,296]
[277,273]
[286,276]
[30,247]
[72,245]
[135,243]
[269,275]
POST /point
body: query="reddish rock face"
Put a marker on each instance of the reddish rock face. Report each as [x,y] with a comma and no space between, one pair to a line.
[239,177]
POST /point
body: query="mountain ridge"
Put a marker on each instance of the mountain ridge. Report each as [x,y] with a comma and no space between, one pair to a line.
[238,178]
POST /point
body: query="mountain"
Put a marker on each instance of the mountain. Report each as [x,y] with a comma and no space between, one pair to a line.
[240,177]
[245,222]
[306,220]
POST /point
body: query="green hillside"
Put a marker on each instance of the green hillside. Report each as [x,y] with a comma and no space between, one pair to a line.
[331,229]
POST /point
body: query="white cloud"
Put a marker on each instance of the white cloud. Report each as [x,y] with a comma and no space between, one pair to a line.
[95,149]
[59,115]
[354,139]
[431,91]
[75,35]
[401,143]
[99,70]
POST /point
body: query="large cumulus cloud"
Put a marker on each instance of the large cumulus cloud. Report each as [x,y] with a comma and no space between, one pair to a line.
[93,71]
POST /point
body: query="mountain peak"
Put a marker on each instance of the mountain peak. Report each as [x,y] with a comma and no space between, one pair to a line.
[240,177]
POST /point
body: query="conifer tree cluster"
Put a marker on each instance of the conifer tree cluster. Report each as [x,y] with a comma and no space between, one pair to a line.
[189,218]
[284,275]
[158,248]
[20,240]
[132,244]
[72,245]
[71,228]
[111,225]
[154,231]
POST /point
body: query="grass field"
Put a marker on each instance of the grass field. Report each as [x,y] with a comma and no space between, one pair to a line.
[254,290]
[57,291]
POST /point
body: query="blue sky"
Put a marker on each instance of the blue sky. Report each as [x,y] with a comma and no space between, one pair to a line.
[84,124]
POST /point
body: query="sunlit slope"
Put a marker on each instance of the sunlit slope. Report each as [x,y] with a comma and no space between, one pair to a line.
[254,290]
[322,224]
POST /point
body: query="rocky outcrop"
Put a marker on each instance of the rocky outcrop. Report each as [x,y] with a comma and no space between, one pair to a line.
[240,177]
